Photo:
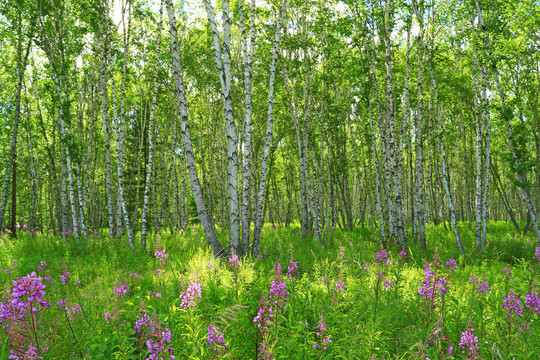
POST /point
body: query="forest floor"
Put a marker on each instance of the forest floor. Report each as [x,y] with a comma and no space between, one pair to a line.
[298,300]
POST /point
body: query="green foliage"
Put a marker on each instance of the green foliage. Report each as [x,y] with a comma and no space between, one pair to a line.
[377,313]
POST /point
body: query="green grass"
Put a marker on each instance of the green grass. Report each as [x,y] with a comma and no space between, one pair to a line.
[364,321]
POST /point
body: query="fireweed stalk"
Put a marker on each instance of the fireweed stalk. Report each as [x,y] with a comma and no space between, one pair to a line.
[324,340]
[189,298]
[234,267]
[517,318]
[22,316]
[216,342]
[480,291]
[438,346]
[433,290]
[155,335]
[381,267]
[70,314]
[269,313]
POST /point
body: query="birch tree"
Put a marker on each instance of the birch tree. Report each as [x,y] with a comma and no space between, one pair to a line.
[223,65]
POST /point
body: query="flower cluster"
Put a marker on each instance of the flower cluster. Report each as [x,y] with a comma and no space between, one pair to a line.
[340,285]
[507,274]
[42,265]
[20,316]
[451,264]
[121,290]
[469,343]
[161,255]
[64,277]
[216,340]
[341,252]
[113,317]
[26,291]
[234,262]
[513,305]
[156,335]
[292,269]
[482,287]
[532,301]
[432,284]
[388,284]
[402,255]
[537,253]
[382,257]
[191,296]
[278,293]
[70,312]
[325,340]
[265,314]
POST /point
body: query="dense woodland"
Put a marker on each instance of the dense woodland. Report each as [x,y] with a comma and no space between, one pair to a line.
[131,116]
[200,179]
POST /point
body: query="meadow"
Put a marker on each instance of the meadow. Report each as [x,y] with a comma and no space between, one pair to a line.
[350,299]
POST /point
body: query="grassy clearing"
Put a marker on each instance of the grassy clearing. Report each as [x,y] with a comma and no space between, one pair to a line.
[348,297]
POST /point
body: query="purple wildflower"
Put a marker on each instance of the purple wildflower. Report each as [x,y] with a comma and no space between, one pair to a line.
[64,277]
[292,269]
[191,296]
[278,293]
[469,343]
[340,285]
[161,255]
[381,256]
[234,262]
[451,264]
[513,305]
[537,253]
[121,290]
[216,340]
[532,301]
[325,340]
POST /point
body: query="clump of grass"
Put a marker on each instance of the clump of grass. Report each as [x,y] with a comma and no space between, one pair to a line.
[348,300]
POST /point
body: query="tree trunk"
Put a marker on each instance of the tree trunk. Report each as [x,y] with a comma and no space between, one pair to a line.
[104,32]
[223,65]
[21,68]
[269,133]
[246,170]
[206,222]
[149,167]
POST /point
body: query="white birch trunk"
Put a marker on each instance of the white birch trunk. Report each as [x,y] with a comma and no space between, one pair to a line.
[246,169]
[269,133]
[149,165]
[21,68]
[104,39]
[223,65]
[396,175]
[479,103]
[419,162]
[206,222]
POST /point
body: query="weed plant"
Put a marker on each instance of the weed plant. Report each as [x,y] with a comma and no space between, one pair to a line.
[99,299]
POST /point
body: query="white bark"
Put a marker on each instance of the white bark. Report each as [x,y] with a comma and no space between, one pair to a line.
[104,32]
[419,162]
[269,134]
[246,169]
[21,68]
[223,65]
[396,175]
[206,222]
[149,167]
